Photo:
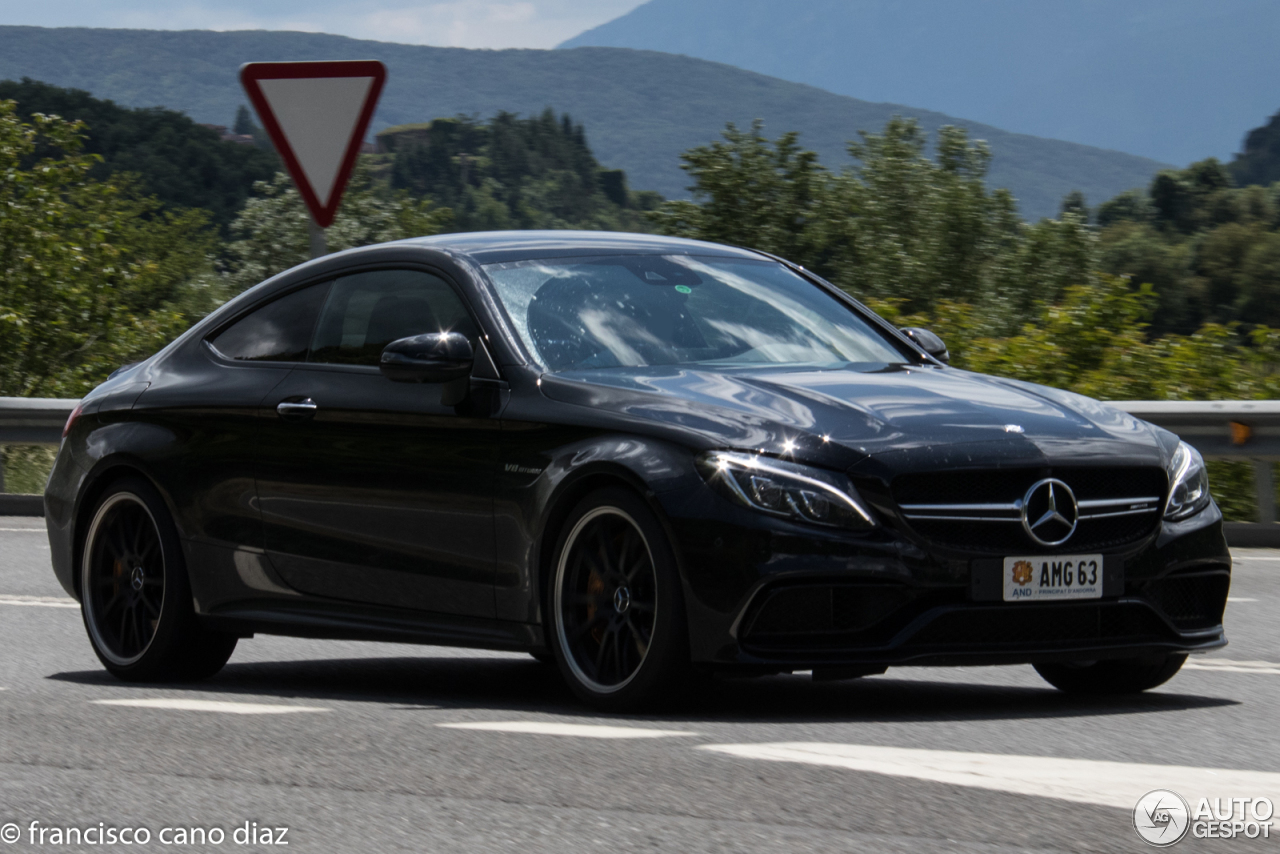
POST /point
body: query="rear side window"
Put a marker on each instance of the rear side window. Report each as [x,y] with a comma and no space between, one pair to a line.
[367,311]
[277,332]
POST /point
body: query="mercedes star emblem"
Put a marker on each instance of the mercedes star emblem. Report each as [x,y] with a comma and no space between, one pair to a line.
[1049,512]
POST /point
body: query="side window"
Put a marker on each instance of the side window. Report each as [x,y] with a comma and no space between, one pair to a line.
[277,332]
[367,311]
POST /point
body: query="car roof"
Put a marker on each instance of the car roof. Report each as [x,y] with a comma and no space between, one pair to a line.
[495,247]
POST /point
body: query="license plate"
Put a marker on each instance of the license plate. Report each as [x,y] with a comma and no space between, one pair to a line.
[1052,579]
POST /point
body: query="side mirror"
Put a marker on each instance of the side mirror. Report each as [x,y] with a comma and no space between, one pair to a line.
[928,342]
[436,357]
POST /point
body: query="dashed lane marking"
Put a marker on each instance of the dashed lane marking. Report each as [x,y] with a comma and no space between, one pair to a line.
[1240,599]
[39,601]
[211,706]
[16,530]
[1227,665]
[1086,781]
[574,730]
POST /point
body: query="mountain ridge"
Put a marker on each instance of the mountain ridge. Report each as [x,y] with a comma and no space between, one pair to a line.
[641,108]
[1174,80]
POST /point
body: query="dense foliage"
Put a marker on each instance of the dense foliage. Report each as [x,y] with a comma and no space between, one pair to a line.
[270,234]
[93,273]
[898,225]
[180,163]
[512,173]
[1211,250]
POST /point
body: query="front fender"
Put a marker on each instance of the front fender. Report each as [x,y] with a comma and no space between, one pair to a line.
[537,487]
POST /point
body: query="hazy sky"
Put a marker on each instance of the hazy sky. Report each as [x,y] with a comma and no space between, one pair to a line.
[459,23]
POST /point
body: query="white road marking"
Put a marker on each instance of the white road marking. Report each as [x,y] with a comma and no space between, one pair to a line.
[15,530]
[1227,665]
[1085,781]
[1240,599]
[41,601]
[212,706]
[576,730]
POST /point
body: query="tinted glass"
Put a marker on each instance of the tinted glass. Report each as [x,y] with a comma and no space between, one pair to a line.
[277,332]
[584,313]
[367,311]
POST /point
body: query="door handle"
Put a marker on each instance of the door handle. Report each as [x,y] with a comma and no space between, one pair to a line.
[296,410]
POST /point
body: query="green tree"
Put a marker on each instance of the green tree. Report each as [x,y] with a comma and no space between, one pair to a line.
[271,232]
[897,225]
[753,192]
[93,274]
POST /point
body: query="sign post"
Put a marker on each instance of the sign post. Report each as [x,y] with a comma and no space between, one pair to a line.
[316,114]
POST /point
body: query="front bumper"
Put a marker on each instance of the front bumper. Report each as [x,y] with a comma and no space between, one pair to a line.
[767,595]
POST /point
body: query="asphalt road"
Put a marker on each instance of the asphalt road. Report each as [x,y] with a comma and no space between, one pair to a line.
[354,747]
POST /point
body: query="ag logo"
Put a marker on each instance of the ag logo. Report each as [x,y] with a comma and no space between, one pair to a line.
[1022,572]
[1161,818]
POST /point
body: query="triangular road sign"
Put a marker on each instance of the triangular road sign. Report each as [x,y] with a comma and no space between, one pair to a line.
[316,114]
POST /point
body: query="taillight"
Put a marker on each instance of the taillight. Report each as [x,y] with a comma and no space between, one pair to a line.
[71,420]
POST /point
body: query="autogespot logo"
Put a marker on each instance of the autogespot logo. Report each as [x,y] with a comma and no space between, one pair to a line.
[1161,818]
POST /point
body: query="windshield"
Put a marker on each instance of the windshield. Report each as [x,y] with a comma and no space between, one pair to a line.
[642,310]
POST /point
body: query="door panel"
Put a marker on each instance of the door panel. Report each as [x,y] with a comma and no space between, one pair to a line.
[379,493]
[208,403]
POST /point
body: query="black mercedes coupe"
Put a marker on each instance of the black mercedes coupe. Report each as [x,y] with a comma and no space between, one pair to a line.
[641,458]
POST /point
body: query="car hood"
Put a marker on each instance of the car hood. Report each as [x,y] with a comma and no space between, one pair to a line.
[937,416]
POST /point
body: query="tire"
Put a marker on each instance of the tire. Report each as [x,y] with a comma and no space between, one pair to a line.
[1120,676]
[616,613]
[136,596]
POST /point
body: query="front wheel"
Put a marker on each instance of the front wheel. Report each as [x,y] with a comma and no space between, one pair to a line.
[135,595]
[617,615]
[1119,676]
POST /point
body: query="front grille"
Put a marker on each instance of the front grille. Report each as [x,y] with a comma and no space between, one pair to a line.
[1041,626]
[1192,600]
[980,511]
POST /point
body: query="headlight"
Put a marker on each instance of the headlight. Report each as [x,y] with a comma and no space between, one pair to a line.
[1189,484]
[786,489]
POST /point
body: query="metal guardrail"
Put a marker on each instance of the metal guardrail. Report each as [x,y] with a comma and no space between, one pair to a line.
[1219,429]
[34,420]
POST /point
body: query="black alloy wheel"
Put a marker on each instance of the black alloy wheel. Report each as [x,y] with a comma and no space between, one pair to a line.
[619,633]
[1117,676]
[135,595]
[124,589]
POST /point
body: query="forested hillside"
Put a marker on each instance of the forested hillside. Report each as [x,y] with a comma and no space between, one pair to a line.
[511,172]
[643,108]
[175,160]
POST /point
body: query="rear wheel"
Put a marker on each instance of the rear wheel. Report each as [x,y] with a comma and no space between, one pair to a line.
[1119,676]
[135,595]
[618,624]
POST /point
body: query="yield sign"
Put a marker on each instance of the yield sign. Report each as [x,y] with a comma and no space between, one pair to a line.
[316,114]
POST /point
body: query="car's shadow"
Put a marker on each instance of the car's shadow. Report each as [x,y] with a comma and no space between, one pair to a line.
[524,685]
